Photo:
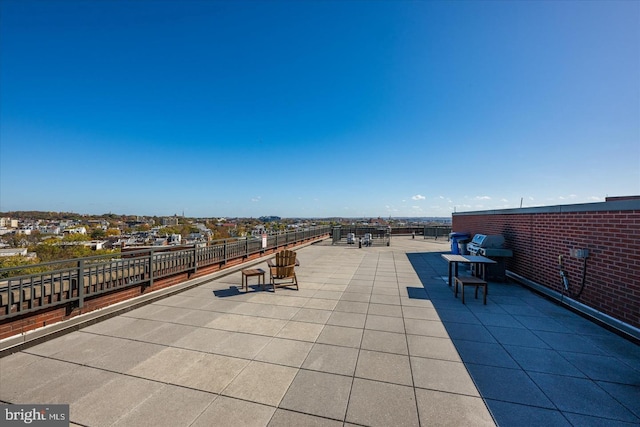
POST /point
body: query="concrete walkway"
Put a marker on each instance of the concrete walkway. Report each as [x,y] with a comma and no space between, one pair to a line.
[373,337]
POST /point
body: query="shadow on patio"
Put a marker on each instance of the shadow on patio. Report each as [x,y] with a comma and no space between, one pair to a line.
[533,361]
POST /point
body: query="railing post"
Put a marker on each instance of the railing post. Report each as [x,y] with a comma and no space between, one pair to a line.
[246,247]
[195,259]
[224,259]
[151,268]
[80,283]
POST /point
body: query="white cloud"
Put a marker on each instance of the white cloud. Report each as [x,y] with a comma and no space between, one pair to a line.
[418,197]
[504,200]
[483,198]
[256,199]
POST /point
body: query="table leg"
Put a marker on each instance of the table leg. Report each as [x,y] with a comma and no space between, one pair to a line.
[449,283]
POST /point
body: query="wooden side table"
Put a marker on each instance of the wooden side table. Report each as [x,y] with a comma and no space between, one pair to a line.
[251,273]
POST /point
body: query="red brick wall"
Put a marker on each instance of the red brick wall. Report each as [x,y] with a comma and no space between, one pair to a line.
[612,237]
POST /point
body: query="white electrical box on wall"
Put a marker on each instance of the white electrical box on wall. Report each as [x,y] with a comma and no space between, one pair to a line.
[579,253]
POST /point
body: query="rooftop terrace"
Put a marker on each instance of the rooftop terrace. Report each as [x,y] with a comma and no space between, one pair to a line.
[374,336]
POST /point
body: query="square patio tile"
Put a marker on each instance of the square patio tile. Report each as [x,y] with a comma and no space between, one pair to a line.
[228,412]
[378,290]
[385,323]
[211,373]
[302,331]
[581,396]
[284,418]
[513,414]
[333,295]
[201,339]
[351,320]
[484,353]
[385,310]
[452,313]
[318,393]
[321,304]
[498,319]
[374,403]
[569,342]
[332,359]
[542,323]
[197,318]
[427,328]
[385,299]
[237,344]
[153,409]
[339,335]
[68,383]
[126,357]
[508,385]
[590,421]
[432,347]
[312,315]
[468,332]
[628,395]
[356,287]
[542,360]
[413,302]
[388,342]
[442,375]
[355,296]
[517,337]
[247,324]
[386,367]
[352,307]
[260,382]
[450,409]
[167,365]
[104,405]
[423,313]
[285,352]
[79,347]
[603,368]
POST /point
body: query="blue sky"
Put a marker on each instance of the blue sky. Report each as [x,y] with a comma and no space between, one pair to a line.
[316,108]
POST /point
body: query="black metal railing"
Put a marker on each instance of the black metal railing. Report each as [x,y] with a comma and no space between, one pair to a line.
[72,281]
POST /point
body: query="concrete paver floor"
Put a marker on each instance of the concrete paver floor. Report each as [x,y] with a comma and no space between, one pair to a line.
[373,337]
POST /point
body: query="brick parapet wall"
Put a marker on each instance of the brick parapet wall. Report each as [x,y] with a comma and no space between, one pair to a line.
[31,321]
[612,281]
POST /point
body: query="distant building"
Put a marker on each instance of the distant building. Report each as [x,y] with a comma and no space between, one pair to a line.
[8,222]
[258,230]
[76,230]
[13,252]
[170,221]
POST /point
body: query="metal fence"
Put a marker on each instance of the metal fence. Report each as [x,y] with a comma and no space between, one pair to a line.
[29,288]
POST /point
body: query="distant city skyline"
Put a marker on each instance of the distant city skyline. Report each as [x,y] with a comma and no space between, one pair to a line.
[354,109]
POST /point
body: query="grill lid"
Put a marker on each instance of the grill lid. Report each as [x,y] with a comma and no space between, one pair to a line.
[488,241]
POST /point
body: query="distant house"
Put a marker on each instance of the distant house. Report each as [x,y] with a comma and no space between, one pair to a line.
[76,230]
[258,230]
[8,222]
[160,242]
[13,252]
